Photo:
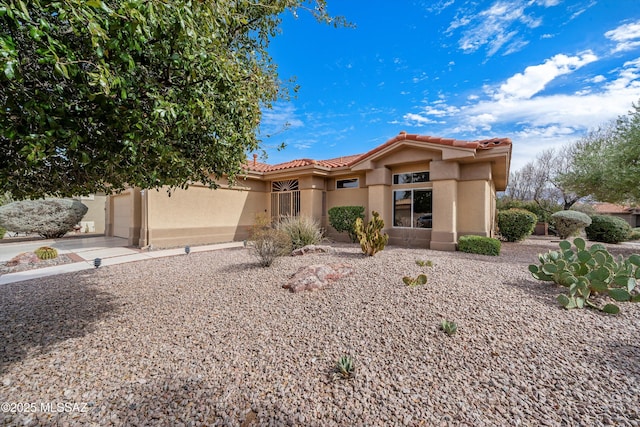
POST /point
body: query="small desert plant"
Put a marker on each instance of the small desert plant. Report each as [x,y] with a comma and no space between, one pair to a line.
[479,245]
[46,252]
[586,272]
[343,219]
[48,218]
[372,238]
[423,263]
[569,223]
[269,244]
[516,224]
[418,281]
[345,368]
[608,229]
[302,230]
[449,327]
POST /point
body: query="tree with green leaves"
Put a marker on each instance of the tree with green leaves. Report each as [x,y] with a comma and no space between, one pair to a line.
[99,95]
[607,161]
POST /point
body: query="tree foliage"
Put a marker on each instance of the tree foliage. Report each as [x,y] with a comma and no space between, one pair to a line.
[607,161]
[540,180]
[98,95]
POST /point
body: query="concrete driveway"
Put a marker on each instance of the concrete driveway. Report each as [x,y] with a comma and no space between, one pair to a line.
[87,248]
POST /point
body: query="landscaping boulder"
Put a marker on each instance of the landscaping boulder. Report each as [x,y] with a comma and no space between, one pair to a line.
[316,277]
[23,258]
[313,249]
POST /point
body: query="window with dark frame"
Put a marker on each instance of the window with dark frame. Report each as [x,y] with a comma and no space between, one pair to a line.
[410,177]
[347,183]
[413,208]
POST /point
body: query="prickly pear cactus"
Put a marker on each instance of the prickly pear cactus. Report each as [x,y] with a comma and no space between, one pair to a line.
[370,235]
[586,272]
[46,252]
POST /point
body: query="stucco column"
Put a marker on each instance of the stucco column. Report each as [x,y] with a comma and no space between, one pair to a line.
[311,189]
[144,219]
[108,216]
[379,187]
[444,234]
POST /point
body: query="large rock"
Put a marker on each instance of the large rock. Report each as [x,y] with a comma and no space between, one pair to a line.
[316,277]
[313,249]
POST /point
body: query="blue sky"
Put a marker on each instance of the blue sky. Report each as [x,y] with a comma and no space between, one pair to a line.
[541,72]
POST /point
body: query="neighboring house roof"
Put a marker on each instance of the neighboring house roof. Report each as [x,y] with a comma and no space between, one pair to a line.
[485,144]
[610,208]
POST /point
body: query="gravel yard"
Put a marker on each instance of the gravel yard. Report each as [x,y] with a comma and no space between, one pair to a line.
[213,339]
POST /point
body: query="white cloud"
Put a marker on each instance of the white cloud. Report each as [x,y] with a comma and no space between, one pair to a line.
[627,36]
[548,3]
[536,122]
[547,36]
[282,116]
[536,77]
[417,119]
[497,27]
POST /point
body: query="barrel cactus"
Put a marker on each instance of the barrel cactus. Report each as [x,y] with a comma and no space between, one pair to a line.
[46,252]
[586,272]
[372,238]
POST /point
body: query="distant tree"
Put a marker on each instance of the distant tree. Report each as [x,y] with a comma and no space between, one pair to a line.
[606,162]
[540,180]
[98,95]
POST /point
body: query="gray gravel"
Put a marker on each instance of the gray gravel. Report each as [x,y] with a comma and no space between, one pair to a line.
[213,339]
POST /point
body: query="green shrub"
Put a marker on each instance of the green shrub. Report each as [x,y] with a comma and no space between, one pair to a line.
[370,235]
[343,219]
[569,223]
[46,252]
[516,224]
[449,327]
[586,272]
[479,245]
[269,244]
[543,209]
[302,230]
[608,229]
[635,234]
[3,231]
[48,218]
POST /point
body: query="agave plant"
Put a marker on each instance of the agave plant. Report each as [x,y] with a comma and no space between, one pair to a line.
[449,327]
[345,368]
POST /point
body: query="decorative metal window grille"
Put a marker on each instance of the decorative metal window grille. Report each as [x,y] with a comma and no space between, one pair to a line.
[285,199]
[290,185]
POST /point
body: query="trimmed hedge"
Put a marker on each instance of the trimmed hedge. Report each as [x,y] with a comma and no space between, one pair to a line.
[343,218]
[608,229]
[479,245]
[516,224]
[3,231]
[569,223]
[635,234]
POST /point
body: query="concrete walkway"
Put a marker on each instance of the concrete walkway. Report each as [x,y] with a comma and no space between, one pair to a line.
[111,251]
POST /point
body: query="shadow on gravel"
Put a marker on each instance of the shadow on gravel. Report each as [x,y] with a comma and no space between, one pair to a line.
[621,357]
[37,314]
[546,292]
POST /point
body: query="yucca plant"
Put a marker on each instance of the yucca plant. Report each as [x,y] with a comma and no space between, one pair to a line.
[449,327]
[345,368]
[46,252]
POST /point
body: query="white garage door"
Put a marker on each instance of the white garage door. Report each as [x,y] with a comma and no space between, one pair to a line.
[122,209]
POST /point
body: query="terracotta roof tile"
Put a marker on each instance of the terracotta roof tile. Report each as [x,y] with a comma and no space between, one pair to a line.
[611,208]
[337,162]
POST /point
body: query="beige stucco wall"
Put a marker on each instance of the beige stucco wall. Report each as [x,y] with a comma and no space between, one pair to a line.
[200,215]
[96,214]
[474,208]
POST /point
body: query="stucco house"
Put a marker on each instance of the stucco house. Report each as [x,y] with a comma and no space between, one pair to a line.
[631,214]
[428,190]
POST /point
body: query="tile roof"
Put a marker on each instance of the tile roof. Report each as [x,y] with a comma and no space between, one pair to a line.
[337,162]
[610,208]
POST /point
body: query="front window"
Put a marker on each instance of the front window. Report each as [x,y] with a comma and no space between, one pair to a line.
[410,177]
[347,183]
[412,208]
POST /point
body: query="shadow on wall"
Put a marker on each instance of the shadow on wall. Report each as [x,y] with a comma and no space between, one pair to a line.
[37,314]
